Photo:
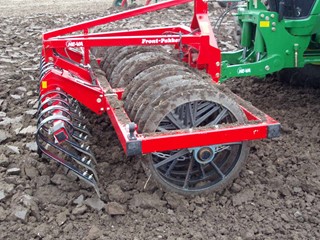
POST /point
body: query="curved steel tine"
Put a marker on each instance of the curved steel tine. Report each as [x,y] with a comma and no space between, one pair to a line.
[52,108]
[91,181]
[52,118]
[80,136]
[85,163]
[84,150]
[78,128]
[51,92]
[52,99]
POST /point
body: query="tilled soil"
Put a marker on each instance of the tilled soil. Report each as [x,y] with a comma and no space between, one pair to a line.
[275,197]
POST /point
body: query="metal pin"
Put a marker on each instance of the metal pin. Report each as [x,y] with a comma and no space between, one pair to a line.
[88,148]
[89,162]
[90,177]
[83,159]
[85,173]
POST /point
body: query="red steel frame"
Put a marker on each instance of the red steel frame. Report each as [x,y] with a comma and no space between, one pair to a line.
[73,73]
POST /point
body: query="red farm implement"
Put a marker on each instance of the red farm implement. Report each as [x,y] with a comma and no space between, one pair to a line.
[166,106]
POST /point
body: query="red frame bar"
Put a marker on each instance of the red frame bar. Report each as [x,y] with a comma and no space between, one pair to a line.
[205,137]
[113,18]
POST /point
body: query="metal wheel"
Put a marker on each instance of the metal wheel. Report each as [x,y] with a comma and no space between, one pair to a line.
[195,170]
[151,75]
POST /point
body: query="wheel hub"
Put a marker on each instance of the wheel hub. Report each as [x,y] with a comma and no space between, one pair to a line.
[204,155]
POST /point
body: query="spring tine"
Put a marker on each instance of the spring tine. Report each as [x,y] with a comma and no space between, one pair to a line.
[75,145]
[52,118]
[46,67]
[82,150]
[76,158]
[67,110]
[80,136]
[52,99]
[63,94]
[52,108]
[91,181]
[80,128]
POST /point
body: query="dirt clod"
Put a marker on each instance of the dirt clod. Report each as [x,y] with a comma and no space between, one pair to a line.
[114,208]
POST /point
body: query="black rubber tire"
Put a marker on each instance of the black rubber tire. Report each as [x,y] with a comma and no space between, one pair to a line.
[308,76]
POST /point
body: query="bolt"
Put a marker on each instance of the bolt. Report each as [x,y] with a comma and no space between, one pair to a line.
[217,75]
[273,29]
[267,18]
[267,68]
[272,15]
[262,15]
[217,64]
[108,109]
[101,109]
[99,100]
[274,24]
[51,59]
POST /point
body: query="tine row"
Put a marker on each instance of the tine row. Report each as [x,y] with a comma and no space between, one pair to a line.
[61,134]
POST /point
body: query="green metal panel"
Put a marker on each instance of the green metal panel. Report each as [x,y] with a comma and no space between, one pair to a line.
[270,44]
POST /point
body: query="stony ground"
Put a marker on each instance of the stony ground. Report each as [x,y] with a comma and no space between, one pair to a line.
[276,196]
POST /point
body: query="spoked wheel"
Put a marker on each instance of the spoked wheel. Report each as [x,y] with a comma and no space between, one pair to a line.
[202,169]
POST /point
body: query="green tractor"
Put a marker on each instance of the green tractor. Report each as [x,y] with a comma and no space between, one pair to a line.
[277,36]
